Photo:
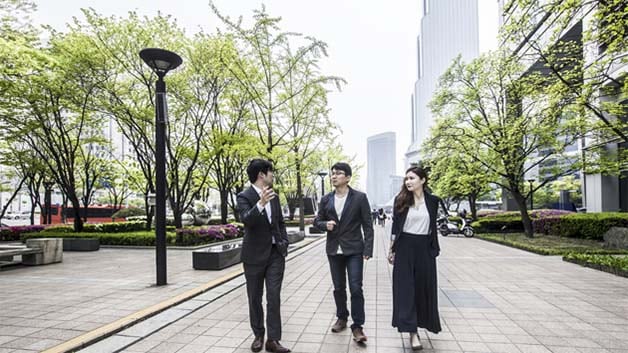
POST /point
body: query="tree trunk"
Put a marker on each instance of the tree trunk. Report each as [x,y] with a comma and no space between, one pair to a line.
[525,217]
[224,206]
[300,198]
[78,220]
[473,206]
[4,208]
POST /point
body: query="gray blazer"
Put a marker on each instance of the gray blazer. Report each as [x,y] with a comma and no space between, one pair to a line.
[356,216]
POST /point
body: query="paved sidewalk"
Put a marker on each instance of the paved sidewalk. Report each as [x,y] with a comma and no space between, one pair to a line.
[44,306]
[492,298]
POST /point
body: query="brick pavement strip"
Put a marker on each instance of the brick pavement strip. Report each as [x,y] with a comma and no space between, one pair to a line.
[492,298]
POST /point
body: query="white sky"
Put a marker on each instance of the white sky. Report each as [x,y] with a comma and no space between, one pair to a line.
[372,44]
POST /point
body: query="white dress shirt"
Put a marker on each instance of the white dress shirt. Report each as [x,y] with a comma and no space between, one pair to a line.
[267,207]
[339,205]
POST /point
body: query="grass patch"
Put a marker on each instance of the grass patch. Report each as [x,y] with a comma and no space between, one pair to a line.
[617,265]
[550,244]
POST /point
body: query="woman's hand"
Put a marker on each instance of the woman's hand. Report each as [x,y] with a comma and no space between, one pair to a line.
[391,256]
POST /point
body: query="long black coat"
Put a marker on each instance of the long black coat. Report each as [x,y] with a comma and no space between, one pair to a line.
[356,216]
[399,219]
[258,232]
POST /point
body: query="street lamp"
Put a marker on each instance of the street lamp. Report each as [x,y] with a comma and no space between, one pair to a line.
[48,184]
[322,174]
[160,61]
[531,194]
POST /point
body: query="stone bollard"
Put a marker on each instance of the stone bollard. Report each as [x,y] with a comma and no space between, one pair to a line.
[52,251]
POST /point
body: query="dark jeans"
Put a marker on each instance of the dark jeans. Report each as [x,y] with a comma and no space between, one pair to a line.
[341,266]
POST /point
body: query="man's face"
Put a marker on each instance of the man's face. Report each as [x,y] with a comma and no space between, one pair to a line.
[339,178]
[267,178]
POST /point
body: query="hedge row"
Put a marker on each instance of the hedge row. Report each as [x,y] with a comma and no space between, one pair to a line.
[143,238]
[572,225]
[617,265]
[111,227]
[581,225]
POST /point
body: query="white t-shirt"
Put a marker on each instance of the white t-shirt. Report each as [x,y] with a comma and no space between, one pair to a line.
[418,220]
[339,204]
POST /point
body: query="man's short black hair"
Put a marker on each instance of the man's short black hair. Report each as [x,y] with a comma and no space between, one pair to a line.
[342,166]
[256,166]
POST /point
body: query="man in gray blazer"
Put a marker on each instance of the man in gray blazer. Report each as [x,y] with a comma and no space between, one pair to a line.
[264,249]
[344,213]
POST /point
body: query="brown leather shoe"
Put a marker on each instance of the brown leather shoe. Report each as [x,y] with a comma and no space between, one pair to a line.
[339,325]
[358,335]
[258,342]
[275,346]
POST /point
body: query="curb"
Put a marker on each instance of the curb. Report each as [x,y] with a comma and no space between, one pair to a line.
[110,329]
[603,268]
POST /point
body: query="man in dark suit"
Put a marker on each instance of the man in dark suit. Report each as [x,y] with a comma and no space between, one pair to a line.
[264,249]
[344,213]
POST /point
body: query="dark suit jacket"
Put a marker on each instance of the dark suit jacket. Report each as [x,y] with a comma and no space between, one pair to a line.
[258,232]
[356,215]
[399,220]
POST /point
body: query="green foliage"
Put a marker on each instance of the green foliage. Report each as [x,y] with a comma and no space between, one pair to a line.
[129,212]
[614,264]
[587,225]
[139,238]
[112,227]
[550,245]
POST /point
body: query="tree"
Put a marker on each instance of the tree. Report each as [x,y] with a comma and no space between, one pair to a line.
[511,126]
[268,51]
[128,93]
[585,67]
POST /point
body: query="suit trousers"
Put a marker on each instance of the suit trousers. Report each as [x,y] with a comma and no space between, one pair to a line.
[256,275]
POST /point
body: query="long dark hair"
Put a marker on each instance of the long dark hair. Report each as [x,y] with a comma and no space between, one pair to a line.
[405,198]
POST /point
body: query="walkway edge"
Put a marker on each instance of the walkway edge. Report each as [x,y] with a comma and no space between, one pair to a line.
[105,331]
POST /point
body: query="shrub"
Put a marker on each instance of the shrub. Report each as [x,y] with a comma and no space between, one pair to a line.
[129,212]
[511,221]
[498,224]
[204,235]
[113,227]
[13,233]
[585,225]
[144,238]
[613,264]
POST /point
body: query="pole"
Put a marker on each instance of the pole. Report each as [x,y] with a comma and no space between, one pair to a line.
[322,186]
[160,180]
[531,197]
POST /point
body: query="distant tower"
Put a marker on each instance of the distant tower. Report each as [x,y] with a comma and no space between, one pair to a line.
[381,165]
[448,28]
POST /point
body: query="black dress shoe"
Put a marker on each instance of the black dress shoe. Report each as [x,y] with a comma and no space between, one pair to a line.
[275,346]
[258,342]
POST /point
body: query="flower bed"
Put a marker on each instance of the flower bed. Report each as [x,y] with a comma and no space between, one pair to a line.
[13,233]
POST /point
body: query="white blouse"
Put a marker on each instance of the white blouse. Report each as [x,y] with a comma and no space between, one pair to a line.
[418,220]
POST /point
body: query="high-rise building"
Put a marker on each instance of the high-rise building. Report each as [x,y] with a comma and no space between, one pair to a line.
[448,28]
[381,166]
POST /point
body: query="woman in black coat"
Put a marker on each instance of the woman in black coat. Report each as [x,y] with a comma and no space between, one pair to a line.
[413,251]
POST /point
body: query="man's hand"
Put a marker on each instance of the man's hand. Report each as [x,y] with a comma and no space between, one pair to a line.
[391,257]
[331,225]
[266,195]
[366,257]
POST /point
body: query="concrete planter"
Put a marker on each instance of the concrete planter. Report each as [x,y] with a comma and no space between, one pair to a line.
[81,244]
[51,251]
[217,257]
[295,237]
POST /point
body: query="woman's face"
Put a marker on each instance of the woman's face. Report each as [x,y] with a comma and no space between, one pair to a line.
[413,182]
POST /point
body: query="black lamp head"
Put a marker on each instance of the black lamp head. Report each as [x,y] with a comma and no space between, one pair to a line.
[160,60]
